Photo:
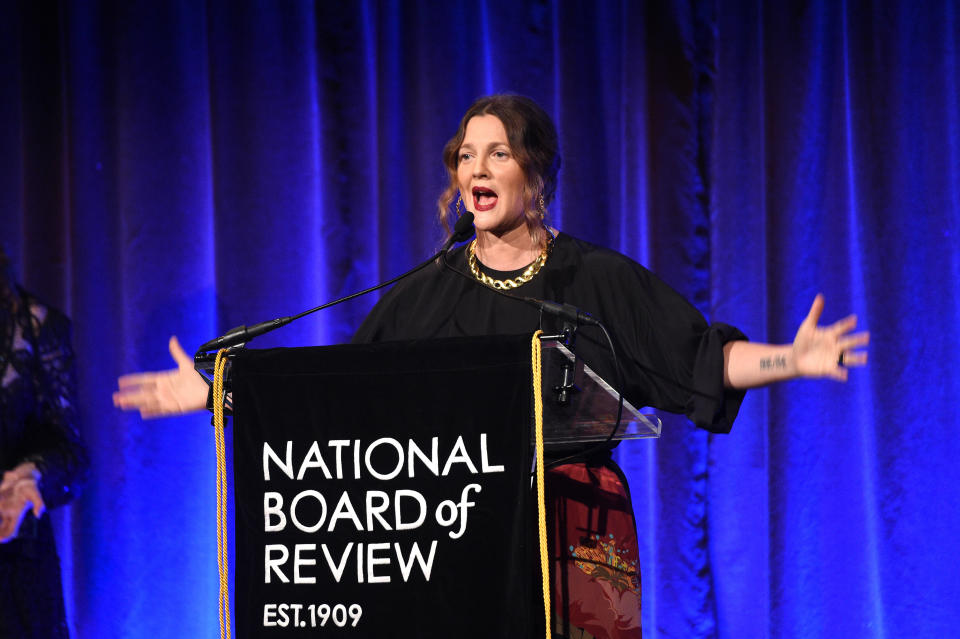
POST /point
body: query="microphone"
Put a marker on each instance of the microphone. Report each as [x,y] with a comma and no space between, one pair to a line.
[566,312]
[243,334]
[462,230]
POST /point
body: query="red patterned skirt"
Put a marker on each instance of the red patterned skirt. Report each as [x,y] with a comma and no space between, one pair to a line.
[593,547]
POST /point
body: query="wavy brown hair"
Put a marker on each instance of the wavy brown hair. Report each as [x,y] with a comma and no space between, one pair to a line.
[533,142]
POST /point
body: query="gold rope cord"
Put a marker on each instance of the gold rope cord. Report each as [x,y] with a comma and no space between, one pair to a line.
[536,359]
[222,562]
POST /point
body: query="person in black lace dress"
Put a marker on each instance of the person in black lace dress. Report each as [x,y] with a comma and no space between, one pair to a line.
[41,456]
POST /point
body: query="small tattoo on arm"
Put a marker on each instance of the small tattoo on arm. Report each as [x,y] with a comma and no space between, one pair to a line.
[779,361]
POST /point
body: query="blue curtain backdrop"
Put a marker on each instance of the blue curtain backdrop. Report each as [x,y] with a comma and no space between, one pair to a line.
[184,167]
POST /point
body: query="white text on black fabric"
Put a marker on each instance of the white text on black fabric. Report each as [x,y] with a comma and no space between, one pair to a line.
[334,505]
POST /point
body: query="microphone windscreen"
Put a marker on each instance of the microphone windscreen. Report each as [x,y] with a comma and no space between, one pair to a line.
[463,229]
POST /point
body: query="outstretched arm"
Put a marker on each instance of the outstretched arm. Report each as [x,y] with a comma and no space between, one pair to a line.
[816,351]
[176,391]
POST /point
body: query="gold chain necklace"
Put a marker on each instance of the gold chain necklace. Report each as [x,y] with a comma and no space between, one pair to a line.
[528,274]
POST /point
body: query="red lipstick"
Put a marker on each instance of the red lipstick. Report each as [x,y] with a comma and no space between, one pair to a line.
[484,199]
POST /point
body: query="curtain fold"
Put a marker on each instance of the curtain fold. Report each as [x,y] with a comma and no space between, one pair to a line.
[182,167]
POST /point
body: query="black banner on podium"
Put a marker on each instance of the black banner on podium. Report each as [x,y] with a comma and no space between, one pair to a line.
[384,490]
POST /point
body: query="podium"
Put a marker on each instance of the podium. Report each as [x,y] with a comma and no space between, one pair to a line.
[580,407]
[385,489]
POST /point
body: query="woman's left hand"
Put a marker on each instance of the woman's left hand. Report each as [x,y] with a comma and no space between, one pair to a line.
[828,351]
[19,493]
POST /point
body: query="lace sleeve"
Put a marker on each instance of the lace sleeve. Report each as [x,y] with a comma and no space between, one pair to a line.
[53,441]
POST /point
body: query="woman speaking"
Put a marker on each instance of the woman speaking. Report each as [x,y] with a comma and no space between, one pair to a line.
[502,164]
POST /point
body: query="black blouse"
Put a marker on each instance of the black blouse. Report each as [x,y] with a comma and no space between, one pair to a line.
[38,414]
[671,358]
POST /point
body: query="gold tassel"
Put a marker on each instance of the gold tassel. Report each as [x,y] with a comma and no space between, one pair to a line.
[223,562]
[536,357]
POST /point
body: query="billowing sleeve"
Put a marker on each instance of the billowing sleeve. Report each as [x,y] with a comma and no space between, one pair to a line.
[408,310]
[53,441]
[670,356]
[711,405]
[379,322]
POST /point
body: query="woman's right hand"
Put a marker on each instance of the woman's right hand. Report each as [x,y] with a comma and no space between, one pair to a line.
[176,391]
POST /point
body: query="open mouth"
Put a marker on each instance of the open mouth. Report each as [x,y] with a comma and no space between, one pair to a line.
[484,199]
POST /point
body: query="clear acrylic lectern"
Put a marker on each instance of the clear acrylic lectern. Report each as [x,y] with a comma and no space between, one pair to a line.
[580,406]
